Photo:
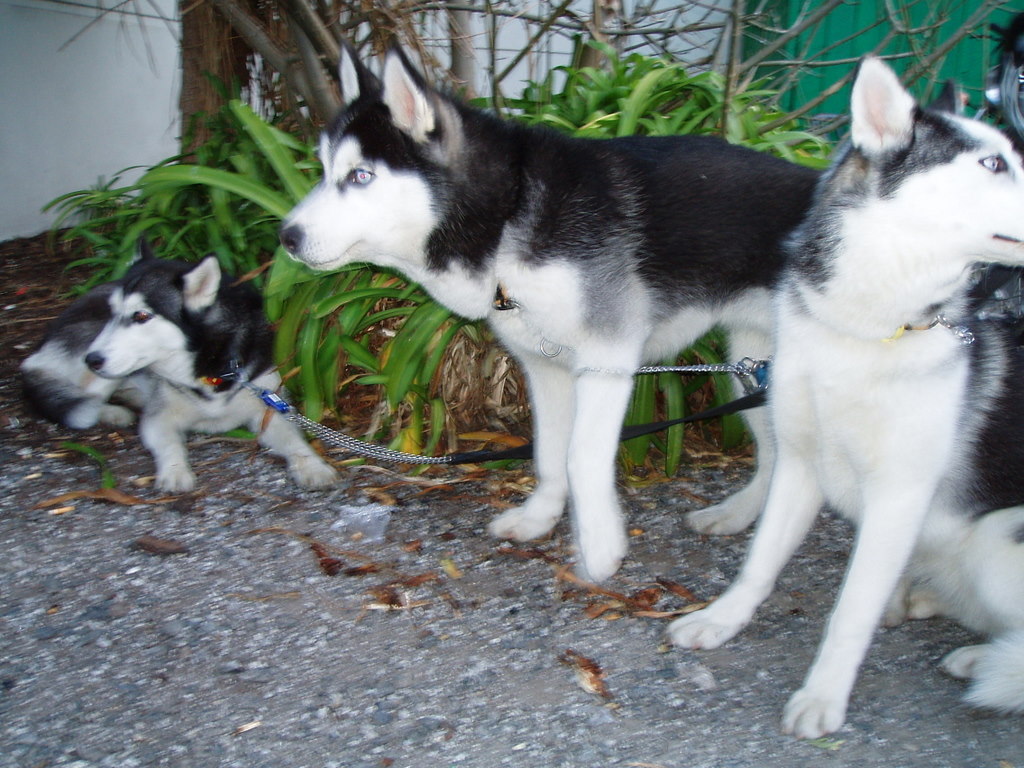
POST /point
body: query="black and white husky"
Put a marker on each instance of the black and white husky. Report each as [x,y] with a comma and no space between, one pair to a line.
[892,407]
[587,258]
[163,339]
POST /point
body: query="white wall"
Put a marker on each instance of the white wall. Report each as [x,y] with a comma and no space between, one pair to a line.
[82,96]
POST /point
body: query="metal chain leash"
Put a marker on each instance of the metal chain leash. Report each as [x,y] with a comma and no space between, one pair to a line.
[751,372]
[340,439]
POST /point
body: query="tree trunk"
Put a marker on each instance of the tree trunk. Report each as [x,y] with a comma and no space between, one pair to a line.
[209,46]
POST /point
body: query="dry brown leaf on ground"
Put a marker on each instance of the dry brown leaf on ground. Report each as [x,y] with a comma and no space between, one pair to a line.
[502,438]
[418,580]
[331,566]
[387,598]
[526,553]
[645,599]
[157,546]
[363,570]
[677,589]
[588,673]
[102,494]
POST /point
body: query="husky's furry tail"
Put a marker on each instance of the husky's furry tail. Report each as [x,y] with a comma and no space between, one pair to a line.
[999,678]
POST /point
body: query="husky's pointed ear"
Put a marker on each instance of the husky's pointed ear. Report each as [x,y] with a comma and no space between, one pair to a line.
[948,99]
[354,78]
[408,97]
[201,283]
[143,251]
[882,112]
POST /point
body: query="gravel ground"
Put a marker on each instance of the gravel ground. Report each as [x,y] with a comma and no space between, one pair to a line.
[204,630]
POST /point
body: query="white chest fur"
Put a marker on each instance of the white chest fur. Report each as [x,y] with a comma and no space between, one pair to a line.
[860,405]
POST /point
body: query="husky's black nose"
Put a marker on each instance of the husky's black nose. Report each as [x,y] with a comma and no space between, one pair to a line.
[291,238]
[95,361]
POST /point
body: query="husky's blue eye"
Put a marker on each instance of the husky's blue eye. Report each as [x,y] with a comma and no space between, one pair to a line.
[141,316]
[995,164]
[360,176]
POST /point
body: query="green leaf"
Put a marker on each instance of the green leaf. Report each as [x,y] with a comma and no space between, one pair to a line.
[277,147]
[181,175]
[107,479]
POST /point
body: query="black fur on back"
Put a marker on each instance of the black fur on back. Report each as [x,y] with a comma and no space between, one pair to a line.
[699,218]
[996,370]
[233,330]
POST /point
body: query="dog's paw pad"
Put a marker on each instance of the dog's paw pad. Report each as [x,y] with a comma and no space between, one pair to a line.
[811,715]
[699,630]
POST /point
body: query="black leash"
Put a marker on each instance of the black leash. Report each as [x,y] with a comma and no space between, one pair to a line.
[752,400]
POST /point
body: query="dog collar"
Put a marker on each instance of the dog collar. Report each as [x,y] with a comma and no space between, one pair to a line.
[218,383]
[502,301]
[962,332]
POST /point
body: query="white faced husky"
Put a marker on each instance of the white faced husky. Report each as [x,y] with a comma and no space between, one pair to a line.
[587,258]
[889,410]
[163,338]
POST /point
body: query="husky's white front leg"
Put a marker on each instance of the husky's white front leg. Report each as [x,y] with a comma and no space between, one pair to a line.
[737,512]
[887,535]
[285,439]
[164,439]
[793,503]
[601,402]
[551,399]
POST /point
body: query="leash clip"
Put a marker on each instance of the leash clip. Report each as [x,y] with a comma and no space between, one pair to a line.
[753,374]
[273,400]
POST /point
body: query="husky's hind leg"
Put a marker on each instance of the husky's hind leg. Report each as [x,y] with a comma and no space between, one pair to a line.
[551,397]
[737,512]
[996,672]
[992,601]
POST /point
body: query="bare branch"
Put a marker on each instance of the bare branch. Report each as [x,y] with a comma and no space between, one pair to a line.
[314,28]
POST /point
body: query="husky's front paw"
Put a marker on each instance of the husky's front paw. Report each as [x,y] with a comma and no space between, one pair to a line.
[602,549]
[910,603]
[312,472]
[117,415]
[702,630]
[812,714]
[533,520]
[175,479]
[730,516]
[962,662]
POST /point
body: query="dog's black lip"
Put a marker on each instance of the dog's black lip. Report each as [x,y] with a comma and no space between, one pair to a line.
[1007,239]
